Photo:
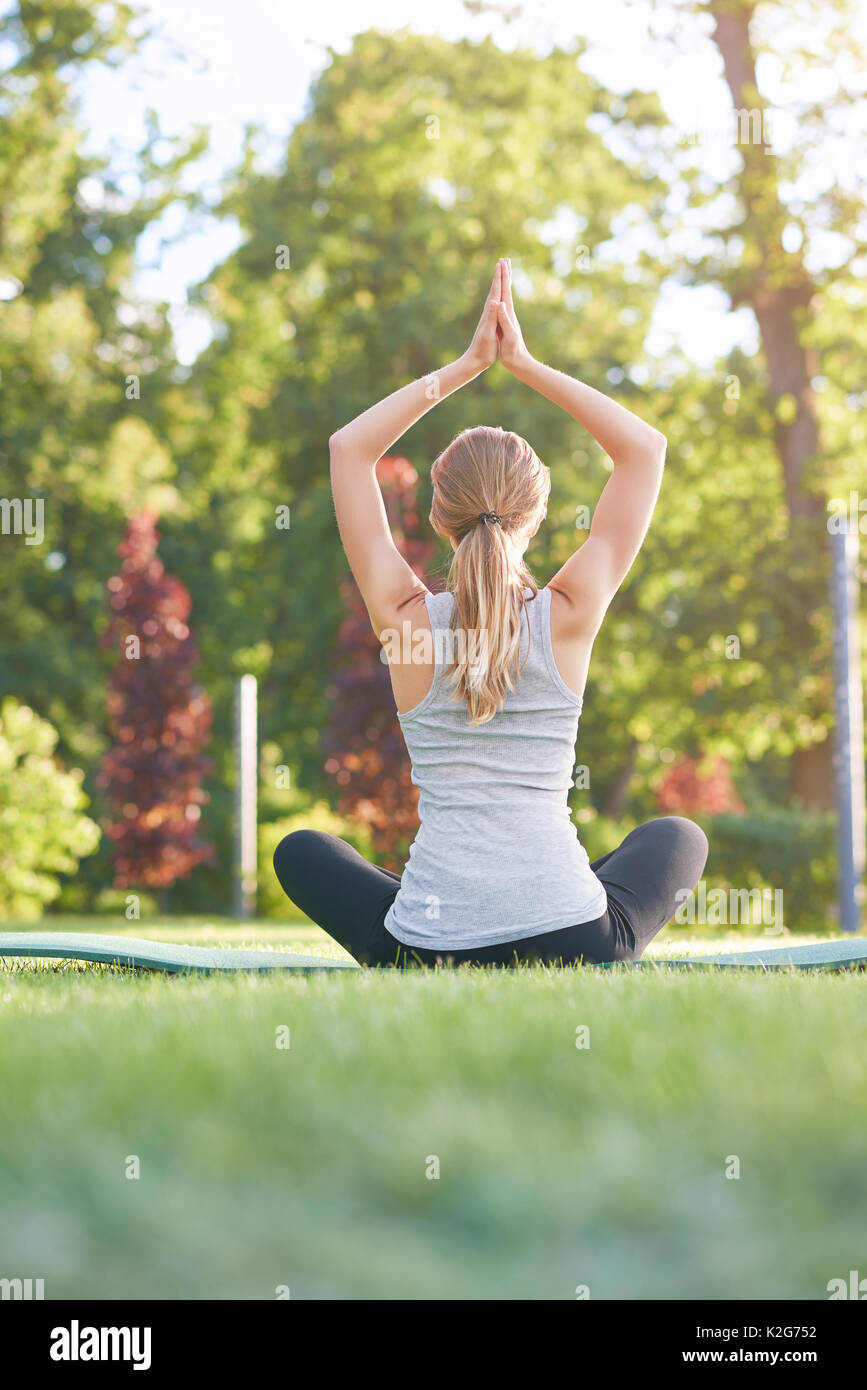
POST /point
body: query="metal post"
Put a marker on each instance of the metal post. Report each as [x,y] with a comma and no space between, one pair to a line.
[246,777]
[849,727]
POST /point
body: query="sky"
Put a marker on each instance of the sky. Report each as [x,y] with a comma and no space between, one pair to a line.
[254,62]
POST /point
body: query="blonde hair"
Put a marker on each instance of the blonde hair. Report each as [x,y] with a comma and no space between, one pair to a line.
[488,488]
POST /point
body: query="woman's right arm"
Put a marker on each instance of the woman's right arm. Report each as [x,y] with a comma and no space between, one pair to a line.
[592,576]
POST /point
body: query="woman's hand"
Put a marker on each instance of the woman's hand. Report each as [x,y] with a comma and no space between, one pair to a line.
[482,351]
[513,352]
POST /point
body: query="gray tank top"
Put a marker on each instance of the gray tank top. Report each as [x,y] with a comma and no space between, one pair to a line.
[496,857]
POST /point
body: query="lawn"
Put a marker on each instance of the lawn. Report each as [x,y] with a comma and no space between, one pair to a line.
[307,1167]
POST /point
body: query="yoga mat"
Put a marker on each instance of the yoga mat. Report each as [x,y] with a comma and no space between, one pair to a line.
[156,955]
[161,955]
[825,955]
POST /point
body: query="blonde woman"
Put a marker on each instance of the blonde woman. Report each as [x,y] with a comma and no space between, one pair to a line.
[488,679]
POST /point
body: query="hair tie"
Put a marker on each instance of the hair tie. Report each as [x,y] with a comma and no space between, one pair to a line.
[490,516]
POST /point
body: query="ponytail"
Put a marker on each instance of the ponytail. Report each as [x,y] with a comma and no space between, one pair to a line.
[488,585]
[489,487]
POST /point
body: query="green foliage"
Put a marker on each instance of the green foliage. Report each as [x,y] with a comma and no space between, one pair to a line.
[472,152]
[379,290]
[770,848]
[600,834]
[70,434]
[778,849]
[313,816]
[43,832]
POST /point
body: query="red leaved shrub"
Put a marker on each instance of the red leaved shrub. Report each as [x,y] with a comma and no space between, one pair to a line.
[159,717]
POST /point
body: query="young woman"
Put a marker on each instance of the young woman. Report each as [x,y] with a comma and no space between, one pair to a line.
[488,680]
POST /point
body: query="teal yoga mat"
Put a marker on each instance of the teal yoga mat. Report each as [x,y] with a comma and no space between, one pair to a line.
[156,955]
[825,955]
[161,955]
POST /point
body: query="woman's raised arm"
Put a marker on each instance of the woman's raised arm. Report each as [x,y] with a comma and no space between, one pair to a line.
[385,579]
[592,576]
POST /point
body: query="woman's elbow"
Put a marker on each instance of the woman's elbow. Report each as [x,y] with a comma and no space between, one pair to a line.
[658,446]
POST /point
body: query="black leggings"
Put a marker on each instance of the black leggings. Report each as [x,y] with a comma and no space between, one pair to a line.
[349,899]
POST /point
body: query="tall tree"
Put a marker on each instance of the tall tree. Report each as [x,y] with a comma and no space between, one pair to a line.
[86,371]
[787,242]
[771,277]
[336,297]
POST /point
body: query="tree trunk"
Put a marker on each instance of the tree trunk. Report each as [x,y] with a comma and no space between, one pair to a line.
[777,286]
[615,801]
[813,777]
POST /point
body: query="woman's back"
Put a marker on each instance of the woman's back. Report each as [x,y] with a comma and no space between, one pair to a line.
[497,856]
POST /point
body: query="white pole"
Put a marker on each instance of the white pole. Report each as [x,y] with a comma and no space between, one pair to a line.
[246,778]
[849,728]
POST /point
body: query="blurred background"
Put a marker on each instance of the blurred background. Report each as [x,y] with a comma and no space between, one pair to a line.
[224,233]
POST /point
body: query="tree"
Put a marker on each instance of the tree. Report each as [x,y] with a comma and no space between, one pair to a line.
[783,237]
[452,136]
[74,434]
[368,292]
[335,297]
[771,277]
[160,718]
[43,832]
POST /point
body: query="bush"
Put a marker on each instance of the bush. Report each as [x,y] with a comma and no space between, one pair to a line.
[160,718]
[318,816]
[42,830]
[770,848]
[600,834]
[775,848]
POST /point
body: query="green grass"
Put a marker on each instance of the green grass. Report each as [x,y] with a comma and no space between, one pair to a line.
[306,1167]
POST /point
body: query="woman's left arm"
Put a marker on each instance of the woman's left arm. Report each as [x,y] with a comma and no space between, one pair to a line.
[385,579]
